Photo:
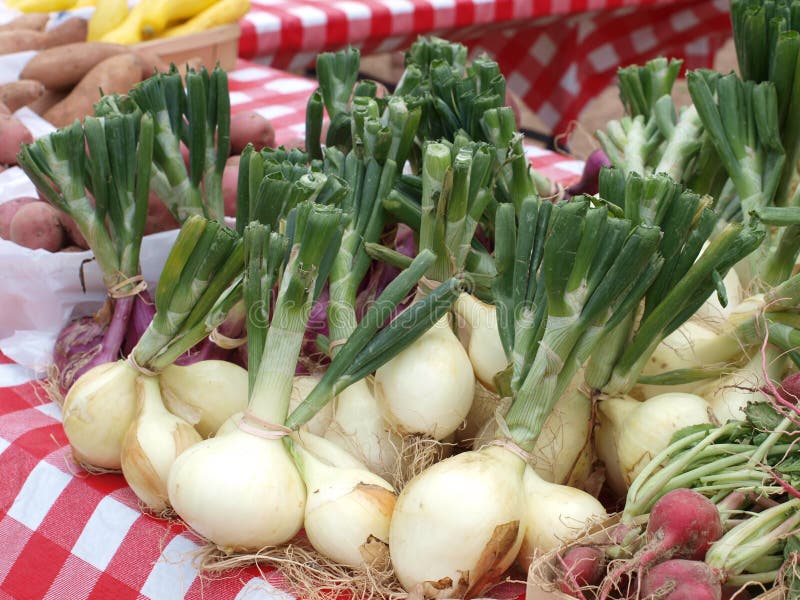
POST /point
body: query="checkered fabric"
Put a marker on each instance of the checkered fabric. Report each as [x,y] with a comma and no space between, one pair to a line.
[68,535]
[556,54]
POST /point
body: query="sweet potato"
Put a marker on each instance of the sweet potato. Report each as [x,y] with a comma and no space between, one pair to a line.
[63,67]
[36,225]
[12,135]
[71,231]
[47,100]
[28,22]
[17,94]
[230,180]
[158,217]
[115,75]
[251,127]
[7,212]
[19,41]
[70,31]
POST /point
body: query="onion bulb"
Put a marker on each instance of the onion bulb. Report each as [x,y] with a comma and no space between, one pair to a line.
[239,490]
[634,432]
[155,438]
[301,388]
[729,395]
[484,347]
[554,515]
[459,524]
[427,388]
[348,508]
[711,313]
[205,393]
[360,426]
[98,410]
[679,350]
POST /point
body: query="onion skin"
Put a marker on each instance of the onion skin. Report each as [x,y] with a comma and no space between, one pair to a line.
[590,179]
[75,345]
[459,524]
[98,410]
[240,491]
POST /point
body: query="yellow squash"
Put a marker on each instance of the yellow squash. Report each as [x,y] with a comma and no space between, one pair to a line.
[221,13]
[161,13]
[42,5]
[130,30]
[108,15]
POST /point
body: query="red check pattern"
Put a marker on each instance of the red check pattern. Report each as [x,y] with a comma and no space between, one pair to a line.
[68,535]
[556,54]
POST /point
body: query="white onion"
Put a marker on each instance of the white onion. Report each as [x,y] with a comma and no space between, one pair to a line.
[348,508]
[484,347]
[730,394]
[640,430]
[153,441]
[301,387]
[459,524]
[427,389]
[205,393]
[555,514]
[241,491]
[360,427]
[98,410]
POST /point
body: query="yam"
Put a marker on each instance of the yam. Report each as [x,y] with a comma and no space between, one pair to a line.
[71,231]
[29,22]
[17,94]
[251,127]
[70,31]
[19,41]
[158,217]
[62,68]
[7,212]
[115,75]
[12,135]
[36,226]
[47,100]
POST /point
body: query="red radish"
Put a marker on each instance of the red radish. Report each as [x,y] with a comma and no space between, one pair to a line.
[590,179]
[791,387]
[682,524]
[681,580]
[583,566]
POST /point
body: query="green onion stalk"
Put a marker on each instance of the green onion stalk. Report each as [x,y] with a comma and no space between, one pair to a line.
[380,145]
[743,123]
[456,189]
[653,137]
[197,116]
[197,287]
[99,176]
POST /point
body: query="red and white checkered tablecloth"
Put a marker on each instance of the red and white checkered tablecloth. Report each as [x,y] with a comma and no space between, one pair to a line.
[67,535]
[556,54]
